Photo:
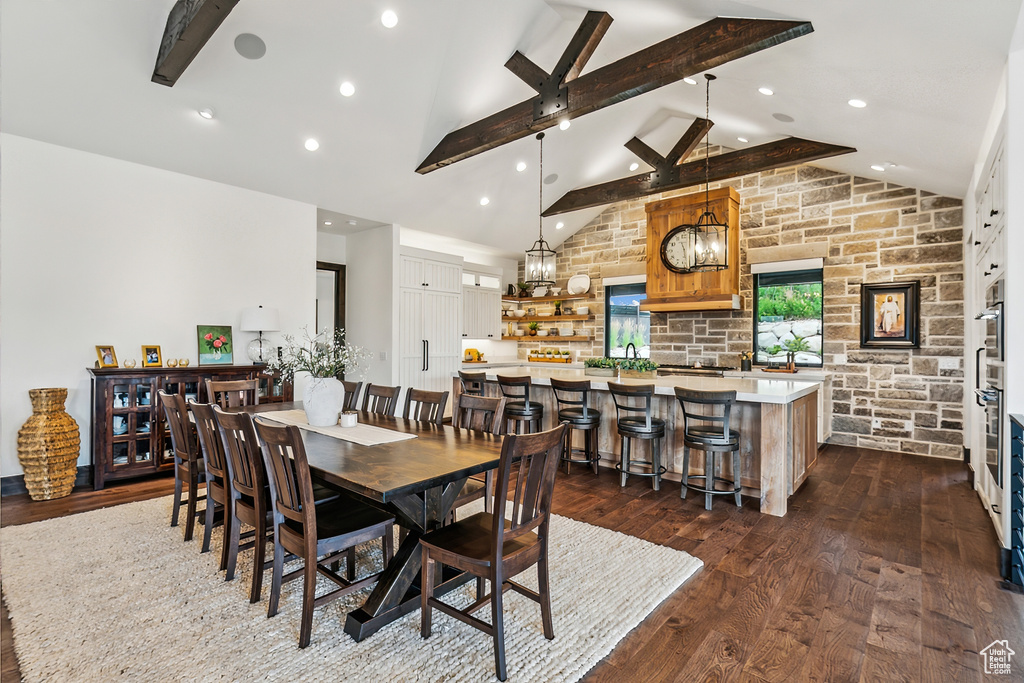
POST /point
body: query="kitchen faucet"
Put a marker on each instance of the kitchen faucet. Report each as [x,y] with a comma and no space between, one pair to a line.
[631,344]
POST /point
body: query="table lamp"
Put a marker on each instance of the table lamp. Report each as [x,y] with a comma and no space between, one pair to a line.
[260,320]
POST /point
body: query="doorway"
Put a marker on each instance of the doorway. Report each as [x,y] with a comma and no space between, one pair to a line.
[330,296]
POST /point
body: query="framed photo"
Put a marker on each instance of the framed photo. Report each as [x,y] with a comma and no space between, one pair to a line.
[890,315]
[151,357]
[215,346]
[106,356]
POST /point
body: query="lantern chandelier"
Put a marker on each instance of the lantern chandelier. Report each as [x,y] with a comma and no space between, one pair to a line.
[707,238]
[540,260]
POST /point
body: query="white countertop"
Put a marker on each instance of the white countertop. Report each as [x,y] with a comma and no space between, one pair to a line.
[803,374]
[749,390]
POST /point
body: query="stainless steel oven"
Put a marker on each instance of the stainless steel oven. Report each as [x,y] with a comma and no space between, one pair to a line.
[991,398]
[993,315]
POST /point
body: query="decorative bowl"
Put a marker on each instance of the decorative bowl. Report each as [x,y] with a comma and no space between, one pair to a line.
[583,310]
[540,291]
[183,362]
[542,333]
[518,313]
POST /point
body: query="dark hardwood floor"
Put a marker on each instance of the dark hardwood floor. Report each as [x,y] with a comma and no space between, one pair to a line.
[884,569]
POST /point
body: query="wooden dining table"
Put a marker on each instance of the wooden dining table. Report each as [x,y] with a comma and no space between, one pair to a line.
[417,480]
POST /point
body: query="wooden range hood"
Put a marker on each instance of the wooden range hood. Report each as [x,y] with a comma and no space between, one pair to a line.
[705,291]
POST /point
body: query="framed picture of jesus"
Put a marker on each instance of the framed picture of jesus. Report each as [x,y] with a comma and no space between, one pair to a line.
[890,316]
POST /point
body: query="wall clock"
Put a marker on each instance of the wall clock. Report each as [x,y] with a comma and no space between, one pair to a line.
[677,249]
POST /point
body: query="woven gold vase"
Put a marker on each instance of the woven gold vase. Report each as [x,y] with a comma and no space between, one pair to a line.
[48,445]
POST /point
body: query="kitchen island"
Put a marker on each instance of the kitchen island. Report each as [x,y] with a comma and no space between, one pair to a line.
[777,421]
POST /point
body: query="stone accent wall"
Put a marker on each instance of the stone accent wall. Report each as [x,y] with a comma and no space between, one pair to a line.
[876,232]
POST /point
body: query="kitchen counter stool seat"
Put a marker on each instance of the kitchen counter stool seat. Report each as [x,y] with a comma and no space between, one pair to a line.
[711,433]
[522,415]
[574,412]
[634,405]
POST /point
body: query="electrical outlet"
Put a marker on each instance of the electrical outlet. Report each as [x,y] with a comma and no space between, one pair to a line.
[876,423]
[383,355]
[949,363]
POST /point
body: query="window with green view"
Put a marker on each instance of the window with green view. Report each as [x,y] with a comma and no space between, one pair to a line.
[625,323]
[788,317]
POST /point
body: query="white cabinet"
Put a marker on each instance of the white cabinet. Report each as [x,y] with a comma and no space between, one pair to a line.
[430,321]
[481,313]
[422,273]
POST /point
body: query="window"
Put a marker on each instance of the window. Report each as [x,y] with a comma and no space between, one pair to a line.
[625,323]
[788,317]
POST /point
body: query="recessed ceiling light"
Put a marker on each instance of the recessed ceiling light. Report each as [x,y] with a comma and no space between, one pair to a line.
[521,166]
[347,89]
[559,225]
[690,81]
[484,201]
[766,91]
[312,145]
[389,19]
[743,139]
[350,222]
[206,113]
[633,166]
[877,167]
[564,125]
[327,223]
[250,45]
[859,104]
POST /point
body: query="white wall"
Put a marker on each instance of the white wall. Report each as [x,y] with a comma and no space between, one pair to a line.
[1014,155]
[331,248]
[370,310]
[101,251]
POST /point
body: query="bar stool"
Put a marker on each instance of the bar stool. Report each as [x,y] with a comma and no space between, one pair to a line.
[472,382]
[522,416]
[575,413]
[715,438]
[631,399]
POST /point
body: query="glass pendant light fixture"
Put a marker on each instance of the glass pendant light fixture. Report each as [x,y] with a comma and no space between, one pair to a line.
[708,237]
[540,260]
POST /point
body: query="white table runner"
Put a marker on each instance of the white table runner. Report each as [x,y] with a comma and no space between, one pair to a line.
[364,435]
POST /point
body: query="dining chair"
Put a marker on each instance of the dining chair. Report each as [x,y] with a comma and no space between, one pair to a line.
[233,393]
[472,382]
[482,414]
[248,494]
[489,546]
[425,406]
[381,399]
[320,535]
[189,471]
[352,390]
[217,476]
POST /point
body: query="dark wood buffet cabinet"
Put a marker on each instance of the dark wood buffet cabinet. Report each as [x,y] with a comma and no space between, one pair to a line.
[129,432]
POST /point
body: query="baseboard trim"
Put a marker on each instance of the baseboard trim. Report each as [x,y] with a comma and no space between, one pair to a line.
[14,485]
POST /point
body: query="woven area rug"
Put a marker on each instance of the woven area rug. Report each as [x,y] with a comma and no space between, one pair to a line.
[116,593]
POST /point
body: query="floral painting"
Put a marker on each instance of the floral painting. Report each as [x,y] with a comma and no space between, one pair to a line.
[215,347]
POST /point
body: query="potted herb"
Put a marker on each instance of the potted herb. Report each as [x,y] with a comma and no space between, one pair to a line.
[566,356]
[533,328]
[326,358]
[524,289]
[549,353]
[558,308]
[638,368]
[599,367]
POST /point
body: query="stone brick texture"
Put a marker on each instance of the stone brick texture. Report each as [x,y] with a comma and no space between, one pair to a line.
[896,400]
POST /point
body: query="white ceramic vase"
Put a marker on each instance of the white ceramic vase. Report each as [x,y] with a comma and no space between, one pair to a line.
[323,400]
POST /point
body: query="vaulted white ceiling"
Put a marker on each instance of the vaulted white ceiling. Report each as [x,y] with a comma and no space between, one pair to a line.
[77,73]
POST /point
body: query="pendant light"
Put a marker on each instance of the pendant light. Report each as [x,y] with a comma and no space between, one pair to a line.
[540,260]
[708,237]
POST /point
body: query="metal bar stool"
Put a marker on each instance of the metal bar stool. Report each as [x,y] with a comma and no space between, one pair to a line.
[522,416]
[575,413]
[714,438]
[472,382]
[631,399]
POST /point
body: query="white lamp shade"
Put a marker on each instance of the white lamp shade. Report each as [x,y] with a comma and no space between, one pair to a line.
[260,320]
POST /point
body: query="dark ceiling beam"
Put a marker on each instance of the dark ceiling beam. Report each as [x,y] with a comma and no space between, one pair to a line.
[778,154]
[530,73]
[704,47]
[190,25]
[581,47]
[691,138]
[645,152]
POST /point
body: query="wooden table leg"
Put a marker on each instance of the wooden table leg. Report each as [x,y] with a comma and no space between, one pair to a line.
[773,459]
[396,593]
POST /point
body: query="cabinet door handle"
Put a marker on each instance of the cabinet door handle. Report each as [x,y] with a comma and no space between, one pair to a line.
[427,357]
[423,350]
[993,212]
[993,266]
[987,273]
[976,242]
[977,369]
[986,225]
